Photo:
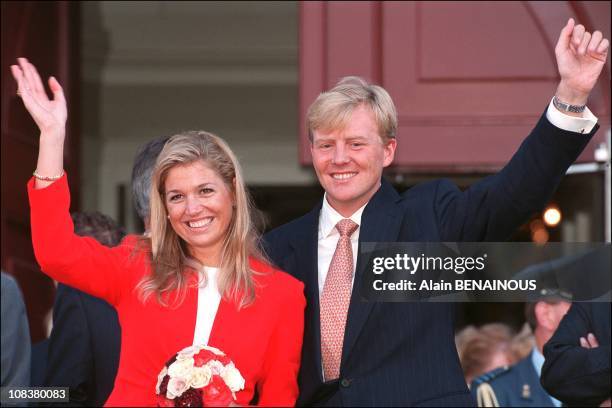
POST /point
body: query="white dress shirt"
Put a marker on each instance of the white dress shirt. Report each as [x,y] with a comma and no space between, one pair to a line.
[208,303]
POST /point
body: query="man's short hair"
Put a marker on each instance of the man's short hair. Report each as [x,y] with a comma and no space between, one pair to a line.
[478,346]
[142,172]
[99,226]
[332,109]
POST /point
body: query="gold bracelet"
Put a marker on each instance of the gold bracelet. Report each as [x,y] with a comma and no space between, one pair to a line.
[47,178]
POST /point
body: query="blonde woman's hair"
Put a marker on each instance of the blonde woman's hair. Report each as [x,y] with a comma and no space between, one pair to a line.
[332,109]
[170,260]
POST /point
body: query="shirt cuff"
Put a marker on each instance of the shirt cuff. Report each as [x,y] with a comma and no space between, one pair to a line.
[584,125]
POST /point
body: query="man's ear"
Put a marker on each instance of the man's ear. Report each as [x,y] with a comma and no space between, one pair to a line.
[389,151]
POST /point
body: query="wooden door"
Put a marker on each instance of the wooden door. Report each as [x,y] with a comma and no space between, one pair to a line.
[47,34]
[469,79]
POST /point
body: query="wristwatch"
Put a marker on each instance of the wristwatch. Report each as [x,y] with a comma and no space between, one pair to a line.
[566,107]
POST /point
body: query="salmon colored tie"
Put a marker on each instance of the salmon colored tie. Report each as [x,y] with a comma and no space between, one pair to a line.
[335,301]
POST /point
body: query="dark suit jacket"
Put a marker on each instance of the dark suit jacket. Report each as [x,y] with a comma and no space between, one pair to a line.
[571,373]
[404,353]
[84,347]
[515,386]
[15,335]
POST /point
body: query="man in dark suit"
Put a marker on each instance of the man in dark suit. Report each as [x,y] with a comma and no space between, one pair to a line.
[359,353]
[519,385]
[83,348]
[15,335]
[577,365]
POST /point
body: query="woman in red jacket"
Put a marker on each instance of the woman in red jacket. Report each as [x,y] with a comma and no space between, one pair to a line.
[199,278]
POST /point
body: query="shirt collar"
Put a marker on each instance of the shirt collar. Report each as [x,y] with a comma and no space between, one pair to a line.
[538,360]
[207,274]
[330,217]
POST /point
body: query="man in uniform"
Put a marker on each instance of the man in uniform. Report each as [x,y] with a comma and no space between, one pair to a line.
[519,385]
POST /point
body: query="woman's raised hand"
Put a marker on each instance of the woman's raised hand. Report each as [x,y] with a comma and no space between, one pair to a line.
[49,115]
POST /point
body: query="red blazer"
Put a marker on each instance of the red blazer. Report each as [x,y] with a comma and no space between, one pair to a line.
[264,339]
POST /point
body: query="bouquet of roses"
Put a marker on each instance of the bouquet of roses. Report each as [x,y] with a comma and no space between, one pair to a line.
[198,376]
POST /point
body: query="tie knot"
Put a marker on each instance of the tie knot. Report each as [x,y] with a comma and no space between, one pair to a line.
[346,227]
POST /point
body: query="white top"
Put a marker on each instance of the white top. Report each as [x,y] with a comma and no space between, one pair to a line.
[328,218]
[208,303]
[329,236]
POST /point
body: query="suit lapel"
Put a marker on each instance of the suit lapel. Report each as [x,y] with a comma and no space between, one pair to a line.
[380,222]
[305,248]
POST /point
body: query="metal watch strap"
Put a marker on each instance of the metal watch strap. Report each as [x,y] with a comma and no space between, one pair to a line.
[566,107]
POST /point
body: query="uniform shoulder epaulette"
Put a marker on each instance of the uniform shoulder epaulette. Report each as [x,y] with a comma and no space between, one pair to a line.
[485,395]
[491,375]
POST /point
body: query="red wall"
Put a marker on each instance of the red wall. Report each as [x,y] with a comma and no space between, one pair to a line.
[469,79]
[47,34]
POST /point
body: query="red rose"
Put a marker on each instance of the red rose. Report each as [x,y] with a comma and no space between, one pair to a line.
[163,387]
[225,360]
[203,357]
[190,398]
[164,402]
[217,394]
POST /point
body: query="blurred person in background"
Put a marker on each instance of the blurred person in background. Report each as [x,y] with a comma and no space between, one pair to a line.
[482,349]
[99,226]
[142,173]
[83,349]
[577,366]
[16,343]
[519,385]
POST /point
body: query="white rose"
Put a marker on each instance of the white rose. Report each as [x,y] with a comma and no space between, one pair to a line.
[216,366]
[181,368]
[232,377]
[160,378]
[200,377]
[176,387]
[214,350]
[187,353]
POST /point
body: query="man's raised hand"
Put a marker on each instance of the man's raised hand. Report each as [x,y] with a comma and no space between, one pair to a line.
[581,57]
